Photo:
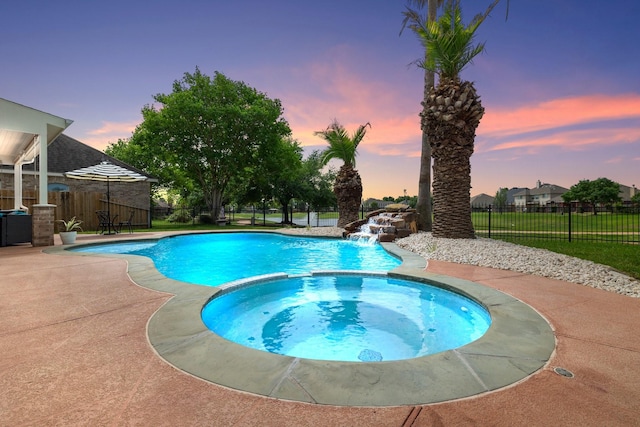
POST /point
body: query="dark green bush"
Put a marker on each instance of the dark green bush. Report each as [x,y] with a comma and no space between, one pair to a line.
[205,219]
[180,216]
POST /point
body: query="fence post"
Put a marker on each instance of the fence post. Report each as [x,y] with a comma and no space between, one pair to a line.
[308,215]
[569,222]
[489,221]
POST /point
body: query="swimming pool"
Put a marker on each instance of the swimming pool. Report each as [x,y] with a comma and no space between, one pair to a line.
[215,258]
[354,318]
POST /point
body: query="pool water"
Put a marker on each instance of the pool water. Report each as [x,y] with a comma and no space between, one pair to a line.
[356,318]
[216,258]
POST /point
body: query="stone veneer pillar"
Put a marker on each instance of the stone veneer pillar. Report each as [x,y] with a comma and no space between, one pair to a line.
[43,220]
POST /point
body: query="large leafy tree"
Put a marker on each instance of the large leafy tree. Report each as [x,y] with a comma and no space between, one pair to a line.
[286,176]
[414,19]
[601,191]
[283,175]
[451,114]
[348,184]
[136,152]
[211,131]
[500,200]
[301,179]
[317,183]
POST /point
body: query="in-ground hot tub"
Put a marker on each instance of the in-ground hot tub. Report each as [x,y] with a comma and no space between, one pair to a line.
[346,317]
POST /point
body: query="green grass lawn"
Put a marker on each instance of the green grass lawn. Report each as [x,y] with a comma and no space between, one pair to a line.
[622,257]
[557,222]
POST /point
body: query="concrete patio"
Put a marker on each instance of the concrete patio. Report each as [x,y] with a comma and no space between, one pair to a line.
[75,351]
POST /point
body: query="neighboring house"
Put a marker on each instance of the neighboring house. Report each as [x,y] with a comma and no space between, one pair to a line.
[482,200]
[541,195]
[626,192]
[511,193]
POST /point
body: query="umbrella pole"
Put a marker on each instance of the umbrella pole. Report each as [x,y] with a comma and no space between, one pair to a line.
[108,208]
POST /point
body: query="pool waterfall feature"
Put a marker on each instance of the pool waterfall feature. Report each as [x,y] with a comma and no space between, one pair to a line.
[365,234]
[395,221]
[518,344]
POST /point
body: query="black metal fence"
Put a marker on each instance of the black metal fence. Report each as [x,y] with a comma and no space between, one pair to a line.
[619,224]
[253,215]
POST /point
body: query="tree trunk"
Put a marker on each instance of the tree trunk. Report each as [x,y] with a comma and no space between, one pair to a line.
[348,191]
[423,206]
[285,212]
[214,203]
[451,115]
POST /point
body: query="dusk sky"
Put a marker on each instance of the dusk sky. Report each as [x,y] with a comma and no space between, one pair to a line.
[559,80]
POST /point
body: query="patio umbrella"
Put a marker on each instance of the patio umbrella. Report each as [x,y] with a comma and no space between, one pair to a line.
[106,171]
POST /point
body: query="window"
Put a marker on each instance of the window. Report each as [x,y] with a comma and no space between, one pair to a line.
[57,187]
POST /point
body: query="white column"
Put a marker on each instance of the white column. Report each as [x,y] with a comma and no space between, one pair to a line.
[17,185]
[44,169]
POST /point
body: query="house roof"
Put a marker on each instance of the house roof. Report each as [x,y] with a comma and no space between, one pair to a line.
[521,192]
[66,154]
[548,189]
[482,198]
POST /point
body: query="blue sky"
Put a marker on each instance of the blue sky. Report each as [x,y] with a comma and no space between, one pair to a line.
[559,80]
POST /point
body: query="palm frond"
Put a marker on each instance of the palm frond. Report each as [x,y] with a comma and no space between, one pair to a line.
[341,145]
[449,43]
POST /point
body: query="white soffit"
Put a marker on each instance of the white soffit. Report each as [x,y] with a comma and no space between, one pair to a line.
[19,126]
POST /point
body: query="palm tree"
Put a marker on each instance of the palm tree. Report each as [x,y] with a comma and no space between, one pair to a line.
[348,185]
[414,20]
[451,114]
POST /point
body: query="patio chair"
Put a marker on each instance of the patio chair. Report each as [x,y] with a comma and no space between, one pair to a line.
[103,222]
[127,223]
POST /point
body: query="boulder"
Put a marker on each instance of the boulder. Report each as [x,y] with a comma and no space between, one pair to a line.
[386,237]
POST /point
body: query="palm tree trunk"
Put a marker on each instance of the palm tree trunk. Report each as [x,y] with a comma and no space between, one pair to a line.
[451,184]
[348,191]
[423,206]
[451,115]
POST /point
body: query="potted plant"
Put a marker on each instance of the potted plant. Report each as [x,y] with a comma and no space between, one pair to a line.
[70,230]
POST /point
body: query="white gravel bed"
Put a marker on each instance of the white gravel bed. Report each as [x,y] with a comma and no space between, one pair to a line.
[506,256]
[509,256]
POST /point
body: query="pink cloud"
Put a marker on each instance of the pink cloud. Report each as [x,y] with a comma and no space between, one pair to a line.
[572,139]
[333,90]
[506,121]
[339,92]
[111,128]
[107,133]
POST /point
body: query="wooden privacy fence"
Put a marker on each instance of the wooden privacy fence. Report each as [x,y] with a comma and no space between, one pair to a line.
[82,205]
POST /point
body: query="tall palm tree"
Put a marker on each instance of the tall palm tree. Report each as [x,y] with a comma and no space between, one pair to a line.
[413,19]
[348,185]
[451,114]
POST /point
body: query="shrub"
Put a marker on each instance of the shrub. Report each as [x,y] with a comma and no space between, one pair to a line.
[180,216]
[205,219]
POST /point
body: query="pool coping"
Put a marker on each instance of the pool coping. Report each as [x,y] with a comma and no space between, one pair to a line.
[519,343]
